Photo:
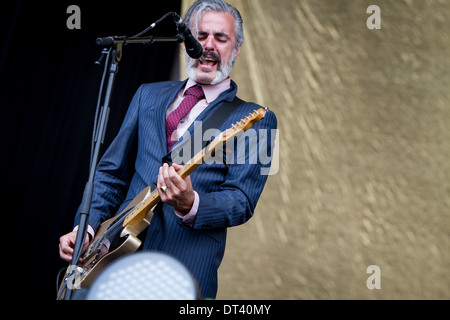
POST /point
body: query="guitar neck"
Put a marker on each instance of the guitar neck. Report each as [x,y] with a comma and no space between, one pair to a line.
[192,164]
[140,211]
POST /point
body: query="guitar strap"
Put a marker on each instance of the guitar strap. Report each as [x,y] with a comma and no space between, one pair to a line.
[214,121]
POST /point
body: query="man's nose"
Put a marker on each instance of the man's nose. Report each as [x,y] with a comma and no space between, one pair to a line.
[209,44]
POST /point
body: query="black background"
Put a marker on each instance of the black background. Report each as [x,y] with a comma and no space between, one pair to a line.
[48,95]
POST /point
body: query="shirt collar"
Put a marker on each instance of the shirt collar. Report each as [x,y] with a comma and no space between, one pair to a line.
[211,91]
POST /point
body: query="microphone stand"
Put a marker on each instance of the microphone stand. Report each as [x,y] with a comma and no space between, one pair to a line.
[114,56]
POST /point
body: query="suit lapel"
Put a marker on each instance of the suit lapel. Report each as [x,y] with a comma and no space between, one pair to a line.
[169,96]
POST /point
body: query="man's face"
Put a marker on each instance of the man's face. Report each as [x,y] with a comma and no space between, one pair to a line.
[216,35]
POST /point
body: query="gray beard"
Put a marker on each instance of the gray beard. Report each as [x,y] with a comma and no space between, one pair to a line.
[223,70]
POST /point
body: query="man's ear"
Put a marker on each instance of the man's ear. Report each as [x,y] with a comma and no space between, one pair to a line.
[237,52]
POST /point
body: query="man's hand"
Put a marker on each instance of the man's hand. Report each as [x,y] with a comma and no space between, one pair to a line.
[67,244]
[178,193]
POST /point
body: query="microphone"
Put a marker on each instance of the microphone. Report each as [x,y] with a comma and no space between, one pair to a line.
[193,48]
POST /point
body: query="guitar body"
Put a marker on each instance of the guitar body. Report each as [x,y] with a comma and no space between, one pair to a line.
[89,269]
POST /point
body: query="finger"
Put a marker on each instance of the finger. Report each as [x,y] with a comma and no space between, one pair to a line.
[176,166]
[166,172]
[159,179]
[65,257]
[65,252]
[65,243]
[183,185]
[176,180]
[160,183]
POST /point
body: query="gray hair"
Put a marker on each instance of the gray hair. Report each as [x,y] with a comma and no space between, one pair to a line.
[202,6]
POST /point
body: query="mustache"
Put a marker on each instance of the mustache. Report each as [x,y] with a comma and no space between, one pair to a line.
[213,55]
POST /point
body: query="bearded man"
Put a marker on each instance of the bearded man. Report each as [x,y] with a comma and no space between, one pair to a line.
[191,220]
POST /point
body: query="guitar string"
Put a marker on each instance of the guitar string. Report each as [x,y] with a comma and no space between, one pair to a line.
[115,225]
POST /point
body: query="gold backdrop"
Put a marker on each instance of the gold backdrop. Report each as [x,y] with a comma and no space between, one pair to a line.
[364,151]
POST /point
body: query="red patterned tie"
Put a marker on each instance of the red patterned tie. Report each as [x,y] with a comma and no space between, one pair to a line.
[193,95]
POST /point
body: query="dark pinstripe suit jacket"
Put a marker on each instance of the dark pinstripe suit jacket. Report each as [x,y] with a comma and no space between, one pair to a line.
[228,195]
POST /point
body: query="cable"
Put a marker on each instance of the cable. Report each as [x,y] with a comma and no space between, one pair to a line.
[58,283]
[152,25]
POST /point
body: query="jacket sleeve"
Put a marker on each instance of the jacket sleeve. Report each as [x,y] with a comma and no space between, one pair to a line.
[111,176]
[235,200]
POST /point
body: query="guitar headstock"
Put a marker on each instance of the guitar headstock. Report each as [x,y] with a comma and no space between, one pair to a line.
[239,127]
[243,124]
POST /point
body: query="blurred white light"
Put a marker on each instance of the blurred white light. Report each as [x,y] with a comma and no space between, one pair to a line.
[144,276]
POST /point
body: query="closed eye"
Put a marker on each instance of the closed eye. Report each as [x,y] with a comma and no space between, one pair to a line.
[219,36]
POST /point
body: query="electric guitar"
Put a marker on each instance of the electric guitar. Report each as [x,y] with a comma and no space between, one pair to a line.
[118,236]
